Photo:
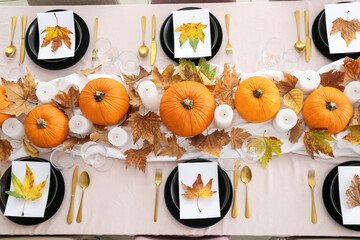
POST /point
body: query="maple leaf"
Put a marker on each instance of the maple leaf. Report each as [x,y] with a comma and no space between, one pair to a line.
[166,78]
[198,190]
[100,128]
[224,88]
[86,72]
[147,126]
[212,143]
[287,85]
[204,67]
[356,118]
[193,32]
[348,29]
[238,135]
[5,150]
[296,132]
[172,148]
[130,80]
[206,81]
[30,149]
[294,99]
[96,136]
[67,101]
[29,86]
[159,141]
[27,190]
[188,71]
[354,135]
[272,146]
[333,78]
[353,193]
[315,141]
[70,142]
[137,157]
[135,99]
[351,68]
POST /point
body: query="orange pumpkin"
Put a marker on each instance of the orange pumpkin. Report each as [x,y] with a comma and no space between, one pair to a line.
[187,108]
[257,99]
[46,126]
[104,101]
[327,108]
[3,104]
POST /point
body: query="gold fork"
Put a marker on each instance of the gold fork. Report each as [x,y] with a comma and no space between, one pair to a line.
[94,52]
[158,177]
[311,181]
[228,48]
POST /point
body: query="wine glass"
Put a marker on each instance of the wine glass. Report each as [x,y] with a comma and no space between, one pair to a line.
[129,62]
[107,55]
[253,148]
[94,154]
[11,69]
[229,160]
[272,54]
[290,60]
[62,160]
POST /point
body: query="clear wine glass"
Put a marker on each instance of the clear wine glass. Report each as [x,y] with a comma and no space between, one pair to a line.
[62,160]
[272,54]
[229,160]
[129,62]
[253,148]
[95,155]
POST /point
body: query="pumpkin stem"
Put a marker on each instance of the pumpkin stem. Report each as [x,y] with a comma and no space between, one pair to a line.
[257,93]
[41,123]
[331,105]
[187,103]
[99,96]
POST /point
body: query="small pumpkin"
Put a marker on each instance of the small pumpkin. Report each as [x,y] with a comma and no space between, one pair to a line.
[104,101]
[327,108]
[46,126]
[187,108]
[3,104]
[257,99]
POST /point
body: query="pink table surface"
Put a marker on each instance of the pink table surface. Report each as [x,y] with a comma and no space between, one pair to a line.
[122,201]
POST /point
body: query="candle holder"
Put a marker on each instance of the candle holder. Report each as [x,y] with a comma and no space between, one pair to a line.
[253,148]
[95,155]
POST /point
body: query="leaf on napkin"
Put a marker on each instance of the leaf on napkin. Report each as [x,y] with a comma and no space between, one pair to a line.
[204,67]
[70,142]
[354,135]
[188,71]
[96,136]
[137,157]
[166,78]
[315,142]
[172,149]
[193,32]
[147,126]
[237,137]
[272,146]
[30,149]
[212,143]
[86,72]
[348,29]
[353,193]
[130,80]
[296,132]
[135,99]
[351,68]
[5,150]
[287,85]
[333,78]
[294,99]
[224,88]
[356,118]
[198,190]
[100,128]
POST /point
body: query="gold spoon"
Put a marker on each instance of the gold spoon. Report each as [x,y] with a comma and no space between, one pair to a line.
[10,50]
[246,177]
[143,49]
[299,45]
[84,183]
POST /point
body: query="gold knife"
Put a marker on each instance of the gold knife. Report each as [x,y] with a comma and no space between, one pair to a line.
[307,39]
[73,188]
[236,183]
[153,42]
[22,46]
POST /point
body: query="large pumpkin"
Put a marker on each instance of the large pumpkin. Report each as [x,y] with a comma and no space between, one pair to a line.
[257,99]
[327,108]
[104,101]
[187,108]
[46,126]
[3,104]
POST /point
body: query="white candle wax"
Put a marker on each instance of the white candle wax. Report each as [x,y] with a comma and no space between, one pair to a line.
[223,116]
[352,91]
[45,92]
[80,125]
[308,80]
[13,128]
[285,120]
[149,95]
[118,137]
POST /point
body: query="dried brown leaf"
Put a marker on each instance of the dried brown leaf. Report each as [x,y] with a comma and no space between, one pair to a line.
[67,101]
[238,135]
[130,80]
[96,136]
[351,68]
[172,149]
[348,29]
[353,193]
[135,99]
[86,72]
[296,132]
[29,86]
[70,142]
[333,78]
[159,142]
[100,128]
[30,149]
[5,150]
[287,85]
[166,78]
[137,157]
[356,118]
[147,127]
[212,143]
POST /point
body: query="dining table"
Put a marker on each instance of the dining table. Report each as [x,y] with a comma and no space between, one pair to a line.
[121,200]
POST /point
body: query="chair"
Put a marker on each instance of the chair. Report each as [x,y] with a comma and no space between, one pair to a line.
[149,237]
[189,1]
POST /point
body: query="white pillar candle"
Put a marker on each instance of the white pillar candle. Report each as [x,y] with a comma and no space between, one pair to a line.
[352,91]
[118,137]
[285,120]
[223,116]
[45,92]
[308,80]
[13,128]
[80,125]
[149,95]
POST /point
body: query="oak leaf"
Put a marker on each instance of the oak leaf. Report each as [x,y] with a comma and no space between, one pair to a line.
[137,157]
[130,80]
[70,142]
[67,101]
[348,29]
[351,67]
[96,136]
[204,67]
[135,99]
[237,136]
[166,78]
[198,190]
[86,72]
[172,149]
[315,142]
[212,143]
[356,118]
[353,193]
[354,135]
[272,146]
[5,150]
[188,70]
[147,127]
[296,132]
[294,99]
[30,149]
[286,85]
[193,32]
[333,78]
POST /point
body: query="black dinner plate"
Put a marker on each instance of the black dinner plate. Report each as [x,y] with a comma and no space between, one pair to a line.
[167,37]
[55,197]
[331,198]
[171,194]
[82,37]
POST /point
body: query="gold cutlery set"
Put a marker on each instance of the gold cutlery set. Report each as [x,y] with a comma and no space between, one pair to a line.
[11,49]
[299,46]
[245,178]
[143,49]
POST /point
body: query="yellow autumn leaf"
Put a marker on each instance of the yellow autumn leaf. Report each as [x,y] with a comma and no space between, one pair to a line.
[193,32]
[272,146]
[30,149]
[206,81]
[354,135]
[294,99]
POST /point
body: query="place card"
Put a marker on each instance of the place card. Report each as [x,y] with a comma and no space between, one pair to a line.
[52,45]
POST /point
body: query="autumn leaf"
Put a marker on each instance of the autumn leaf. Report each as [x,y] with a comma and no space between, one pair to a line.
[67,101]
[198,190]
[137,157]
[29,86]
[188,71]
[159,142]
[272,146]
[147,127]
[193,32]
[135,99]
[70,142]
[130,80]
[353,193]
[86,72]
[224,88]
[96,136]
[351,68]
[315,142]
[204,67]
[296,132]
[356,118]
[100,128]
[354,135]
[348,29]
[172,149]
[166,78]
[237,137]
[294,99]
[5,150]
[30,149]
[333,78]
[287,85]
[212,143]
[206,81]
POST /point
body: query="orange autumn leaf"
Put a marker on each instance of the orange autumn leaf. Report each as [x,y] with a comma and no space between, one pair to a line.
[166,78]
[67,101]
[70,142]
[212,143]
[286,85]
[238,135]
[353,193]
[147,126]
[5,150]
[348,29]
[296,132]
[137,157]
[351,67]
[172,149]
[333,78]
